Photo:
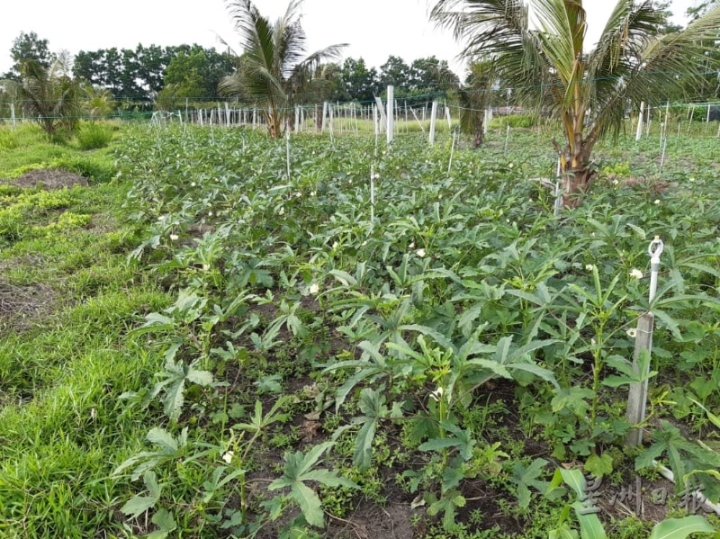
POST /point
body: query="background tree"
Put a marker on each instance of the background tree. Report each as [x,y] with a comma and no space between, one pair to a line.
[47,95]
[28,47]
[431,78]
[358,82]
[587,90]
[395,72]
[129,74]
[197,72]
[272,72]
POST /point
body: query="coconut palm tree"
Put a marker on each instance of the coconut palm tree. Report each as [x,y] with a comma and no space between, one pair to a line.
[98,101]
[540,49]
[474,98]
[47,95]
[272,72]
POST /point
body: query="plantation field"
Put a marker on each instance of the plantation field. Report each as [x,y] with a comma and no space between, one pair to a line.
[217,338]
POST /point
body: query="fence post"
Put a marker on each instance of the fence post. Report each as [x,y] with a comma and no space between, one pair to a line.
[12,115]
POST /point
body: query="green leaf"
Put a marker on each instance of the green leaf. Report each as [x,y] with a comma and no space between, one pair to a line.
[680,528]
[544,374]
[575,480]
[329,479]
[492,366]
[439,443]
[590,525]
[203,378]
[527,476]
[599,466]
[345,278]
[362,457]
[138,505]
[715,420]
[162,438]
[165,521]
[309,504]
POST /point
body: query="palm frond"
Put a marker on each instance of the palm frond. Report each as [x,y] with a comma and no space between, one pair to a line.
[498,30]
[655,70]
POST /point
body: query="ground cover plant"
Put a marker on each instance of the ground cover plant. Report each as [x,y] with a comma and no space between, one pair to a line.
[275,355]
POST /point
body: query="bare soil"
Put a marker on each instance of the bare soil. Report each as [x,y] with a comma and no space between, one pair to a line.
[50,179]
[21,306]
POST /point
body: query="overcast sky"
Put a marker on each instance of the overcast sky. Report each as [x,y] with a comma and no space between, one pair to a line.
[374,29]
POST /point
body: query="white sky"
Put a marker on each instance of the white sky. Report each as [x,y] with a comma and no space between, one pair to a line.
[374,29]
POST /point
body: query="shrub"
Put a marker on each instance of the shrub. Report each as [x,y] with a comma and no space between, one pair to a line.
[94,168]
[93,136]
[514,121]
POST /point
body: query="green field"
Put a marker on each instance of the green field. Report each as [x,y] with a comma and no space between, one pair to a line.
[197,344]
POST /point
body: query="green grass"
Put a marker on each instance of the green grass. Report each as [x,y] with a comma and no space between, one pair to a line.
[61,371]
[27,148]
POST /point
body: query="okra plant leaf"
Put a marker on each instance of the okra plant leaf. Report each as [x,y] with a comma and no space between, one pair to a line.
[298,470]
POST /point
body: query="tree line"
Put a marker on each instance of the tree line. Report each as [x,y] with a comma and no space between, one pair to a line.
[167,75]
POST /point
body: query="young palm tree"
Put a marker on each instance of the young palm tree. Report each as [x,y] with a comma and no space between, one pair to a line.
[272,72]
[539,48]
[474,98]
[47,95]
[98,102]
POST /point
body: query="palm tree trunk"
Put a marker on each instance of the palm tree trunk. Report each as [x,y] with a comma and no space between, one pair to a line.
[479,137]
[576,172]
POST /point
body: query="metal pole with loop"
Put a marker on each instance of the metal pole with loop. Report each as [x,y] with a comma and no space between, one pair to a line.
[637,399]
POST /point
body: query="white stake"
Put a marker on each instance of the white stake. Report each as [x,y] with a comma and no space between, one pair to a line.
[452,152]
[637,398]
[558,192]
[418,121]
[376,123]
[324,115]
[372,195]
[12,115]
[638,135]
[662,158]
[287,150]
[507,138]
[383,117]
[433,120]
[390,114]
